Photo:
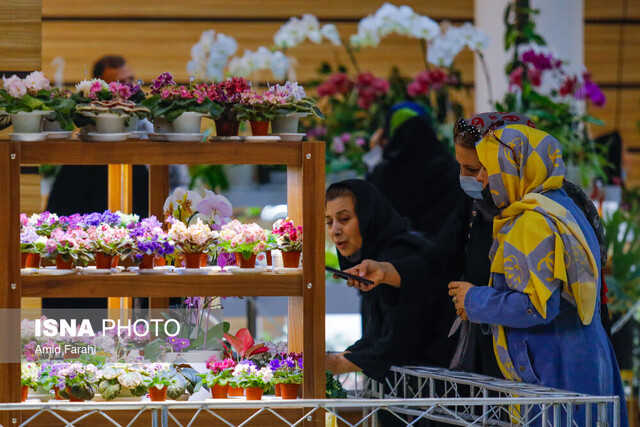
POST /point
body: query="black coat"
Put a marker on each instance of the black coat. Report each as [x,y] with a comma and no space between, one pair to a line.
[406,326]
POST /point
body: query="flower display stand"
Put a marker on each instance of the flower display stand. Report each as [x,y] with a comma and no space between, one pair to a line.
[305,195]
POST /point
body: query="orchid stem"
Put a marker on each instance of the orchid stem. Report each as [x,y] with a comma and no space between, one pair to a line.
[486,76]
[352,57]
[423,46]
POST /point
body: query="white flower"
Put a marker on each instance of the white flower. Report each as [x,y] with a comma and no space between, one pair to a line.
[14,86]
[422,27]
[210,55]
[37,81]
[84,86]
[330,32]
[261,59]
[474,38]
[279,65]
[130,380]
[266,374]
[225,45]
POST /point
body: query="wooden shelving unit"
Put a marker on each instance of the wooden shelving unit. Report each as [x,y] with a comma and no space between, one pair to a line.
[305,195]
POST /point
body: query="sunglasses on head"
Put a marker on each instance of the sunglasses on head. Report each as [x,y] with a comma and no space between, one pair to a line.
[472,135]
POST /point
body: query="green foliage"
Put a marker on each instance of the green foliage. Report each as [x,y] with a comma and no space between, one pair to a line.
[333,387]
[212,176]
[54,100]
[170,109]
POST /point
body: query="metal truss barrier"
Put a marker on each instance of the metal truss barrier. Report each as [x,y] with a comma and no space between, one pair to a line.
[410,395]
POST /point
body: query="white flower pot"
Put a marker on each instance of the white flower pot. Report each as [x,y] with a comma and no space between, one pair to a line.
[286,122]
[162,125]
[133,124]
[51,126]
[30,122]
[188,122]
[110,123]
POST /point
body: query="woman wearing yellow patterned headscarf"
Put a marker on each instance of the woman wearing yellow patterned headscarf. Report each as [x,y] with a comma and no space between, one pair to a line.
[544,300]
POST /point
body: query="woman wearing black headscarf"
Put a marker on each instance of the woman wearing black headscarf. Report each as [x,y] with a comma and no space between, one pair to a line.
[405,326]
[415,160]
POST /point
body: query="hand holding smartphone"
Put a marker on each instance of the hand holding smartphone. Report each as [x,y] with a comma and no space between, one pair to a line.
[348,276]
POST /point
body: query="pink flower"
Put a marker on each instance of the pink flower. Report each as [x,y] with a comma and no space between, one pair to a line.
[338,145]
[95,88]
[360,141]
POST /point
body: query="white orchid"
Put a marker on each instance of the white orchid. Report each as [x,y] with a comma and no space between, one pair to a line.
[330,32]
[210,55]
[261,59]
[297,30]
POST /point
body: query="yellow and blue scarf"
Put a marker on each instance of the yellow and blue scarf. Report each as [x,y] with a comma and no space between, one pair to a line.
[536,240]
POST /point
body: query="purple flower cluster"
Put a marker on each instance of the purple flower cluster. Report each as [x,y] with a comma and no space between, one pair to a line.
[107,217]
[164,79]
[178,343]
[540,60]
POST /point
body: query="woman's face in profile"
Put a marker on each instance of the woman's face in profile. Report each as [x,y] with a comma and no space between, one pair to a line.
[470,164]
[343,226]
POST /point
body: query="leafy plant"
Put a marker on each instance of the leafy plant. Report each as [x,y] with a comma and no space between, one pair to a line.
[333,387]
[243,345]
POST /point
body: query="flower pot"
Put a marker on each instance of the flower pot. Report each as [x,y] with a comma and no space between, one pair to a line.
[188,122]
[192,260]
[158,395]
[115,261]
[62,264]
[162,125]
[227,127]
[253,393]
[289,391]
[33,261]
[160,261]
[103,261]
[110,123]
[51,126]
[148,262]
[259,128]
[23,259]
[269,258]
[219,391]
[133,124]
[277,389]
[291,259]
[236,391]
[28,122]
[25,393]
[56,395]
[286,122]
[246,263]
[204,260]
[72,398]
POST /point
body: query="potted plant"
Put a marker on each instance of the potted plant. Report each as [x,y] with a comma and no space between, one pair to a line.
[241,347]
[227,94]
[107,242]
[79,381]
[28,378]
[218,376]
[118,379]
[149,241]
[247,240]
[159,377]
[192,241]
[258,110]
[68,248]
[293,103]
[271,244]
[28,100]
[50,378]
[31,246]
[253,380]
[178,108]
[287,373]
[289,240]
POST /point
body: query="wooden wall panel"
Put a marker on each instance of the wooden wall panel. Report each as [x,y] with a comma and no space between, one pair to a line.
[601,43]
[599,10]
[154,47]
[219,9]
[20,26]
[629,111]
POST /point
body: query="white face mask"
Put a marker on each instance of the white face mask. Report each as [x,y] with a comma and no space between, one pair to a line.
[471,186]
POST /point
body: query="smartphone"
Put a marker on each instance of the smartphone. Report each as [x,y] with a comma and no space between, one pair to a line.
[347,276]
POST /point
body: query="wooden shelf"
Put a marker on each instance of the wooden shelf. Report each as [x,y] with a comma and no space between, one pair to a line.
[170,285]
[141,152]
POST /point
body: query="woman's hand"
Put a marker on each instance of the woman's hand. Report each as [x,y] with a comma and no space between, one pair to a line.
[338,364]
[377,272]
[458,292]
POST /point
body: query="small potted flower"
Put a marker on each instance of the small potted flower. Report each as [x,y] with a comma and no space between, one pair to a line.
[108,242]
[287,372]
[217,379]
[31,246]
[148,242]
[29,378]
[178,108]
[227,94]
[79,382]
[68,248]
[192,241]
[289,240]
[120,379]
[253,380]
[270,245]
[160,376]
[50,378]
[247,240]
[257,110]
[28,100]
[293,103]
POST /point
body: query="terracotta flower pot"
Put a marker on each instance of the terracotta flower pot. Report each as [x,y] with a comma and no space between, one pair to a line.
[158,395]
[219,391]
[253,393]
[115,261]
[204,260]
[148,262]
[62,264]
[227,127]
[57,396]
[259,128]
[289,391]
[236,391]
[269,258]
[33,261]
[277,389]
[192,260]
[104,261]
[25,393]
[246,263]
[74,399]
[291,259]
[160,261]
[23,260]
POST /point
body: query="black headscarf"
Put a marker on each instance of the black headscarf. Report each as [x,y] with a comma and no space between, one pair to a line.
[418,176]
